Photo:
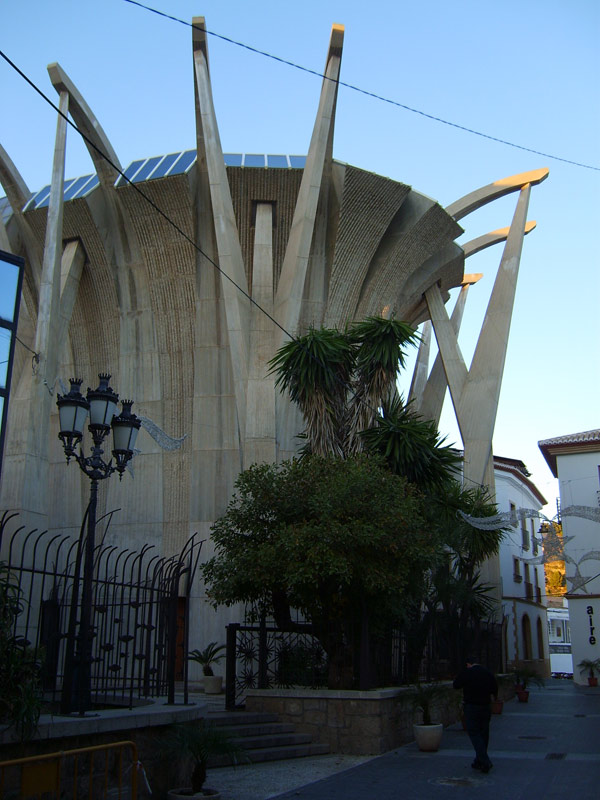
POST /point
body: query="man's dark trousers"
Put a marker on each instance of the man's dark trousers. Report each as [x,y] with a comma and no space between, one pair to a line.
[477,721]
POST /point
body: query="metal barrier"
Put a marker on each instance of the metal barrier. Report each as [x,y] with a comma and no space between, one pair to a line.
[74,774]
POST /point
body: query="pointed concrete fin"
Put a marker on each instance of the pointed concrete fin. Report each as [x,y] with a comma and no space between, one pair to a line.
[96,140]
[491,238]
[290,288]
[470,279]
[199,37]
[480,197]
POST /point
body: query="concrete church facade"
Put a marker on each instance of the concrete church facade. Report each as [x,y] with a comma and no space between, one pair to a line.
[176,312]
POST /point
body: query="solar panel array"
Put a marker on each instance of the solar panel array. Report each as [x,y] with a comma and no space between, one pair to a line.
[146,169]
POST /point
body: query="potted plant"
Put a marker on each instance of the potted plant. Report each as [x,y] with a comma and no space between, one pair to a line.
[428,734]
[590,666]
[199,742]
[212,654]
[523,676]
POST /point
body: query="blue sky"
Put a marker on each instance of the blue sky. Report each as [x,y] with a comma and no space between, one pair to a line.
[526,72]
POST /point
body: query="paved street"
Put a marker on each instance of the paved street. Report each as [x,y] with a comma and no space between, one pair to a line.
[546,749]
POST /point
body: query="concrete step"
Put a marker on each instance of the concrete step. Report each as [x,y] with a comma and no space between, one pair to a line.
[275,753]
[240,717]
[263,737]
[274,740]
[261,728]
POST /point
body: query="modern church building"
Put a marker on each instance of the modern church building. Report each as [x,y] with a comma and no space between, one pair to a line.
[182,276]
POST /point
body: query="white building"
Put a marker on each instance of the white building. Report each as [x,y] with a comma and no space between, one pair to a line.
[522,579]
[575,460]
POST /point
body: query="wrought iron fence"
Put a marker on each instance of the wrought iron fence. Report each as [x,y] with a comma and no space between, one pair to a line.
[262,656]
[140,607]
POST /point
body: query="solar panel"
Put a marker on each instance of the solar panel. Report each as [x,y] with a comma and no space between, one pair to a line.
[183,163]
[254,160]
[41,195]
[151,168]
[87,187]
[145,171]
[77,184]
[278,162]
[130,171]
[165,165]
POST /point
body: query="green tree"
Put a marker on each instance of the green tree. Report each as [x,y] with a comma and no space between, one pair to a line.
[334,538]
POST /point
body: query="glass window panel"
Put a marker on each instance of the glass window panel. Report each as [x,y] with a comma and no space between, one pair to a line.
[298,162]
[254,160]
[46,201]
[130,172]
[165,165]
[184,163]
[233,159]
[146,169]
[37,197]
[9,278]
[4,350]
[75,187]
[89,186]
[277,161]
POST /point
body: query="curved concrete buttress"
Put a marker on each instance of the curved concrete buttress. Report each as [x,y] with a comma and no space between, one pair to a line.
[491,238]
[17,193]
[117,230]
[480,197]
[95,139]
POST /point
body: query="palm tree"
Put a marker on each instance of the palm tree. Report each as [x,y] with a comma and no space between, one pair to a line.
[345,386]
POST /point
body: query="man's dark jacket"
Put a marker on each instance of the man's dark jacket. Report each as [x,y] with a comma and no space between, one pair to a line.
[477,684]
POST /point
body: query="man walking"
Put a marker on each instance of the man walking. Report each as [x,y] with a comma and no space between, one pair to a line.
[478,684]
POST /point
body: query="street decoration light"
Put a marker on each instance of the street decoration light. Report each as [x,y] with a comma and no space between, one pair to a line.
[73,410]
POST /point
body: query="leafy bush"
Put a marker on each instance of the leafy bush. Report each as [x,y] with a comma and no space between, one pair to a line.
[20,686]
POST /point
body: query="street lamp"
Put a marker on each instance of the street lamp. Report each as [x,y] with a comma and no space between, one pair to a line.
[73,410]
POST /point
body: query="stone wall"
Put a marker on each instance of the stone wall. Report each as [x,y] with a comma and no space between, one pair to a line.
[357,722]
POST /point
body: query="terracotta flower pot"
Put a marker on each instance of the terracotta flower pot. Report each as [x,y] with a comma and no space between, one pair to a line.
[523,695]
[497,706]
[593,681]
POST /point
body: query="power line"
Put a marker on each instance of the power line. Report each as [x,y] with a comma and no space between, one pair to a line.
[359,90]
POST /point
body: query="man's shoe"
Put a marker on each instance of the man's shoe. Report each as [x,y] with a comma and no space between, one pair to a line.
[486,768]
[476,765]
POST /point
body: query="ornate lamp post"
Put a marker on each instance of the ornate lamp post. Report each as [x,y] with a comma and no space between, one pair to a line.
[73,409]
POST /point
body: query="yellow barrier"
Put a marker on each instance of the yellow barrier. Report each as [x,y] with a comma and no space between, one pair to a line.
[50,776]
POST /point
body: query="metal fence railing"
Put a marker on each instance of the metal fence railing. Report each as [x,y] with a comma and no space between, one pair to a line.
[102,772]
[139,615]
[262,656]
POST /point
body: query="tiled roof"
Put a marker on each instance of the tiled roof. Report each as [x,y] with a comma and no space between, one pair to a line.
[585,438]
[572,438]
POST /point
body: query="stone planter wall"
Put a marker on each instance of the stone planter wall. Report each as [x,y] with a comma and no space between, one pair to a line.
[355,722]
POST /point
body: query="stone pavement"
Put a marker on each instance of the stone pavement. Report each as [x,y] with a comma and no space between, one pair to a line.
[548,749]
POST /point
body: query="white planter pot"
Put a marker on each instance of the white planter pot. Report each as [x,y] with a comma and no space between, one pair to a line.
[428,737]
[213,684]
